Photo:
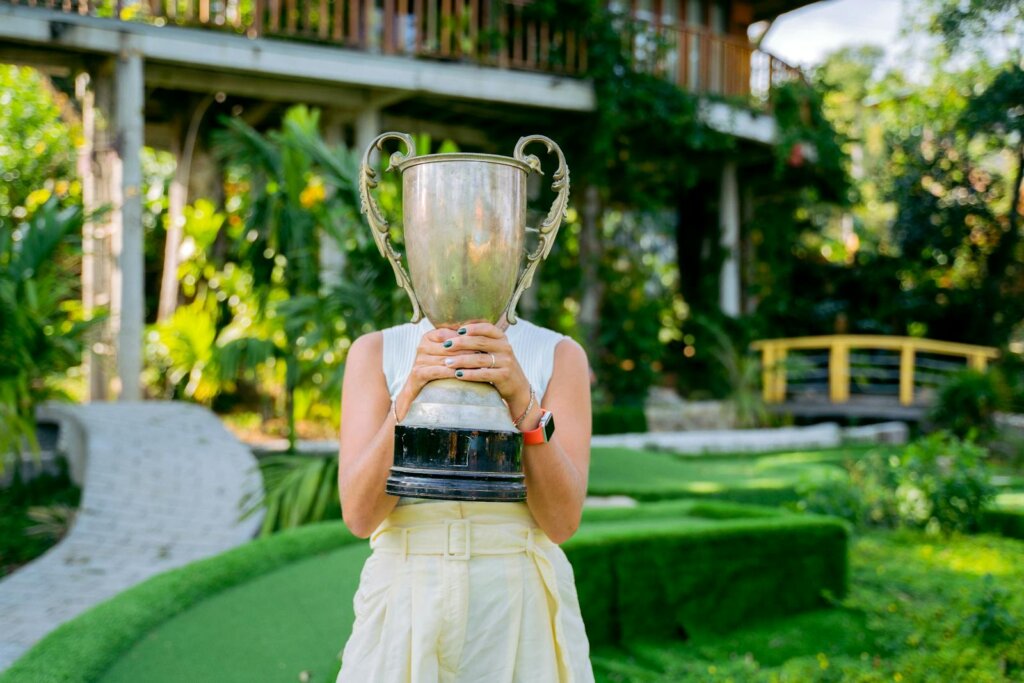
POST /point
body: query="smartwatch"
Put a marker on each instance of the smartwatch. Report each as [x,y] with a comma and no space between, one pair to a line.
[544,430]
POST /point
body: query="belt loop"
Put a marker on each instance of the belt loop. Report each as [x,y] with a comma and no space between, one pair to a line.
[451,524]
[405,543]
[531,546]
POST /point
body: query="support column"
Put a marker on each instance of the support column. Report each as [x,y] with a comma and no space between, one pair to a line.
[127,243]
[729,288]
[112,272]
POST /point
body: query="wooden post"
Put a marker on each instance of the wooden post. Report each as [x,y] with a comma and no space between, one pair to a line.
[767,362]
[839,373]
[977,361]
[779,387]
[907,356]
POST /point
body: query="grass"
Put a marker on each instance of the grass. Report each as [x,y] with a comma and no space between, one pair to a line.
[769,479]
[911,615]
[282,624]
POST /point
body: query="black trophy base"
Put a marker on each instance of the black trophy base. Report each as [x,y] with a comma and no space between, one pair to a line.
[458,464]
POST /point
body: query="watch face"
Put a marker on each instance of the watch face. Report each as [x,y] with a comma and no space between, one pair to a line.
[547,424]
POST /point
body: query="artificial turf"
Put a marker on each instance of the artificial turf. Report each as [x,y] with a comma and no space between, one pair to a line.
[766,479]
[288,625]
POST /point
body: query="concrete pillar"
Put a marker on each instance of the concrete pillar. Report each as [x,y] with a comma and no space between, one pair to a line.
[729,286]
[127,243]
[176,200]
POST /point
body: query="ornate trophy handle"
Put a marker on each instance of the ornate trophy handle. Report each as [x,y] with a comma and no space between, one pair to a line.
[549,227]
[379,224]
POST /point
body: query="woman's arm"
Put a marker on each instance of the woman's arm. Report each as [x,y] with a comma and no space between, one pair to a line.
[368,425]
[556,472]
[367,438]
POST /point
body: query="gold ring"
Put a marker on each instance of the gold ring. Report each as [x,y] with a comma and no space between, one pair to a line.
[493,360]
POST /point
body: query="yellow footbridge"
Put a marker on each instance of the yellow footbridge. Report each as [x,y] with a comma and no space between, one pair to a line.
[861,375]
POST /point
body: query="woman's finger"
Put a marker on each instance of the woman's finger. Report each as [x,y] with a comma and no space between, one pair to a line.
[495,376]
[475,343]
[481,330]
[476,360]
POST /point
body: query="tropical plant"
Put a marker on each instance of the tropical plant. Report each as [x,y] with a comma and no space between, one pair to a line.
[42,329]
[300,320]
[743,372]
[297,490]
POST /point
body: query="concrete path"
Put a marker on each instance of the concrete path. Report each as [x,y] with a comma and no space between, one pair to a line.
[161,484]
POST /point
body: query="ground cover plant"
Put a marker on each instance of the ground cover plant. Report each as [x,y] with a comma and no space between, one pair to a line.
[920,608]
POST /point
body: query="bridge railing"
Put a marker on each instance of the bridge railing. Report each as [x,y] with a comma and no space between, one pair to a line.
[836,366]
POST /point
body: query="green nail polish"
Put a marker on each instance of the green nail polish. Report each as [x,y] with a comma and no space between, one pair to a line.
[448,344]
[462,330]
[458,373]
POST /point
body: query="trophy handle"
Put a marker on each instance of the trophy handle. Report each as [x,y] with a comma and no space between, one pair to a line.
[379,224]
[549,227]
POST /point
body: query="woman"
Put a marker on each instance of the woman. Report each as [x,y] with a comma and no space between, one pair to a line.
[510,613]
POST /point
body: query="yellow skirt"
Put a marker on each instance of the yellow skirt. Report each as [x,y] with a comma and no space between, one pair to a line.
[456,592]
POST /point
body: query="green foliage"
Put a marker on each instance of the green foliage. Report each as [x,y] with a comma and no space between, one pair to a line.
[1008,522]
[619,420]
[37,147]
[968,402]
[655,577]
[937,483]
[42,329]
[991,622]
[902,620]
[298,490]
[17,544]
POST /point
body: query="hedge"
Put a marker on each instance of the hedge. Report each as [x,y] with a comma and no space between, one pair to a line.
[649,575]
[657,570]
[1008,522]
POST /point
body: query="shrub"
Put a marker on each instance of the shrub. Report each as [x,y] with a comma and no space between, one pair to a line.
[662,571]
[991,622]
[938,483]
[1009,523]
[969,401]
[619,420]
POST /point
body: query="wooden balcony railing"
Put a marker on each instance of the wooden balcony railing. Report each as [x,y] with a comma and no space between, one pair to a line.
[704,62]
[490,32]
[497,33]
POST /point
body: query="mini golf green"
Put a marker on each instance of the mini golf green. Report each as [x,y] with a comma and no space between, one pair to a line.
[291,620]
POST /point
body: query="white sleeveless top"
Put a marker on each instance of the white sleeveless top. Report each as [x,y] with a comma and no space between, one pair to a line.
[533,346]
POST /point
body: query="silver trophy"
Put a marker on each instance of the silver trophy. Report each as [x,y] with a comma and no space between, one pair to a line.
[465,238]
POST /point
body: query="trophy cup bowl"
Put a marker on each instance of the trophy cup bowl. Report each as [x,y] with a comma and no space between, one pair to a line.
[465,231]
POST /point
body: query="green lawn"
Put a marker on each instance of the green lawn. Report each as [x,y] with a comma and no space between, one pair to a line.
[764,478]
[908,618]
[276,626]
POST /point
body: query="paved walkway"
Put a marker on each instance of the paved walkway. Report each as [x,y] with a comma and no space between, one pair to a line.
[161,482]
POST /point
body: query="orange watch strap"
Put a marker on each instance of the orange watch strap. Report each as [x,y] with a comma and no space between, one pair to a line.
[535,436]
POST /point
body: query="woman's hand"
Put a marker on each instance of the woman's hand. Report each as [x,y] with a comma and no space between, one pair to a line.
[428,365]
[480,352]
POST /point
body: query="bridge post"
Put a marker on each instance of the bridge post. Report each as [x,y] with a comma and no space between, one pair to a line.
[767,363]
[907,356]
[977,361]
[839,373]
